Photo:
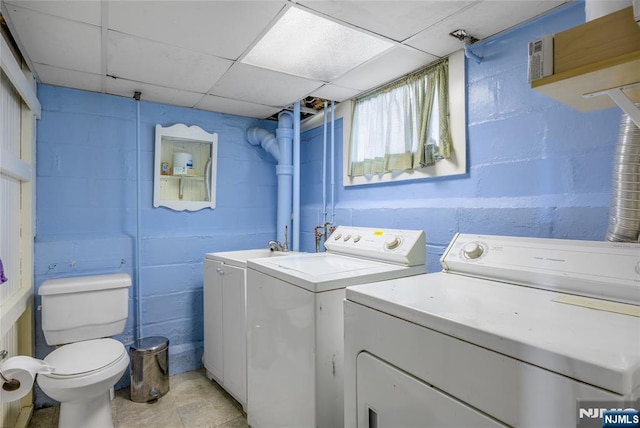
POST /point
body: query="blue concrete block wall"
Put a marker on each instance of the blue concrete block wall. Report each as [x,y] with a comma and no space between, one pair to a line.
[86,210]
[535,167]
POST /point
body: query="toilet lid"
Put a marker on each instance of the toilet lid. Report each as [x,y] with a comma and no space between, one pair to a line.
[86,356]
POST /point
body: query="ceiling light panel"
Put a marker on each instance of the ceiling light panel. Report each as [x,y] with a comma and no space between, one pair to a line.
[306,45]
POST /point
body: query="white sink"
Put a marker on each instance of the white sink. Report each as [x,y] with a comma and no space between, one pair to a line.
[240,257]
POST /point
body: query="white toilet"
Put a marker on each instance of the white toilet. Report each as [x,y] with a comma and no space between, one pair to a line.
[80,314]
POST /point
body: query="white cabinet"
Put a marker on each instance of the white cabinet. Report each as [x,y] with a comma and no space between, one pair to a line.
[593,58]
[225,335]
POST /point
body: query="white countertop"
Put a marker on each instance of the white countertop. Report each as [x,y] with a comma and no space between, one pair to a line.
[239,258]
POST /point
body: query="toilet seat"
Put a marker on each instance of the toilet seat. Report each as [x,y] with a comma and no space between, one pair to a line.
[84,358]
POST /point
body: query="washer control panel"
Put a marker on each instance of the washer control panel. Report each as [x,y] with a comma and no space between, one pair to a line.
[405,247]
[605,270]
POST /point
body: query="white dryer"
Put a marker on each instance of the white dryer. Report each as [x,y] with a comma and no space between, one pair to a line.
[295,322]
[514,332]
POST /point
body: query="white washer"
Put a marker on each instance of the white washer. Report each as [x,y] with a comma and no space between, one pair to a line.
[515,331]
[224,308]
[295,322]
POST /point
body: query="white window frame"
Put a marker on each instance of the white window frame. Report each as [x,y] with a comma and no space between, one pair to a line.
[456,165]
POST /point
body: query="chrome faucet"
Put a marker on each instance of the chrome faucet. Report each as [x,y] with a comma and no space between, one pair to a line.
[285,247]
[275,246]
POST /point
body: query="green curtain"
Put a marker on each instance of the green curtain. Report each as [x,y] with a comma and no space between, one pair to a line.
[393,128]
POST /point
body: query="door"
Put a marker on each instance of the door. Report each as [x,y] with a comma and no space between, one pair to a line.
[234,332]
[225,331]
[213,337]
[389,397]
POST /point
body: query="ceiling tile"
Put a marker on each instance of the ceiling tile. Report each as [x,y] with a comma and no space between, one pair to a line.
[175,52]
[240,108]
[222,28]
[396,63]
[57,42]
[82,11]
[480,20]
[142,60]
[397,20]
[154,93]
[68,78]
[334,92]
[257,85]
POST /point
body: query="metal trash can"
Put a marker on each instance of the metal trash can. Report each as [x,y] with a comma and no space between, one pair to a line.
[149,368]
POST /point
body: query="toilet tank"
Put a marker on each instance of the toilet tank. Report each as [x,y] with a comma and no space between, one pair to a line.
[84,307]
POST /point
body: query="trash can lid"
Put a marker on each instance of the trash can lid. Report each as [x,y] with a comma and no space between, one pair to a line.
[150,344]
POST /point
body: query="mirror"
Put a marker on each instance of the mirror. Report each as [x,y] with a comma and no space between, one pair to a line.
[185,168]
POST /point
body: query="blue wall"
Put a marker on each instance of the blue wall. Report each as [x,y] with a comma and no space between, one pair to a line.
[535,167]
[86,209]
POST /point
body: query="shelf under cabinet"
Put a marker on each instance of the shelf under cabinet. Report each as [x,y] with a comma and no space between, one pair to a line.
[570,86]
[182,177]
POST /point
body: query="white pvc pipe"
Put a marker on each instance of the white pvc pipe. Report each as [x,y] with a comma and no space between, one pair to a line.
[324,163]
[296,176]
[284,171]
[333,162]
[264,138]
[280,147]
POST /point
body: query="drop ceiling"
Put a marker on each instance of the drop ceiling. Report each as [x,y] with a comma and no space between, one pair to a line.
[191,53]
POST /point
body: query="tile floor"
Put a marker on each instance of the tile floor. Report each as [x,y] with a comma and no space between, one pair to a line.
[193,401]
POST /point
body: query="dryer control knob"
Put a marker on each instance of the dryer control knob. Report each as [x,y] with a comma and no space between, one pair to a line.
[356,238]
[392,243]
[338,236]
[346,238]
[472,250]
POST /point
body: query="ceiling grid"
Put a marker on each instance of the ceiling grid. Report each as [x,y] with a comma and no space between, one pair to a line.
[201,54]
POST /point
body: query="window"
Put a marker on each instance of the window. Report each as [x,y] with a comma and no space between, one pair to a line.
[19,105]
[411,128]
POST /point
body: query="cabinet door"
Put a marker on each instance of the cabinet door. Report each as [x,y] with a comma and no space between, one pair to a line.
[213,323]
[235,332]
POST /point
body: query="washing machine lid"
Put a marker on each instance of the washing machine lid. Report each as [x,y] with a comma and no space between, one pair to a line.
[318,272]
[84,357]
[590,344]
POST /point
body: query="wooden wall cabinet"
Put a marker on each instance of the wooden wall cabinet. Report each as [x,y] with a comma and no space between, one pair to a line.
[594,57]
[185,186]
